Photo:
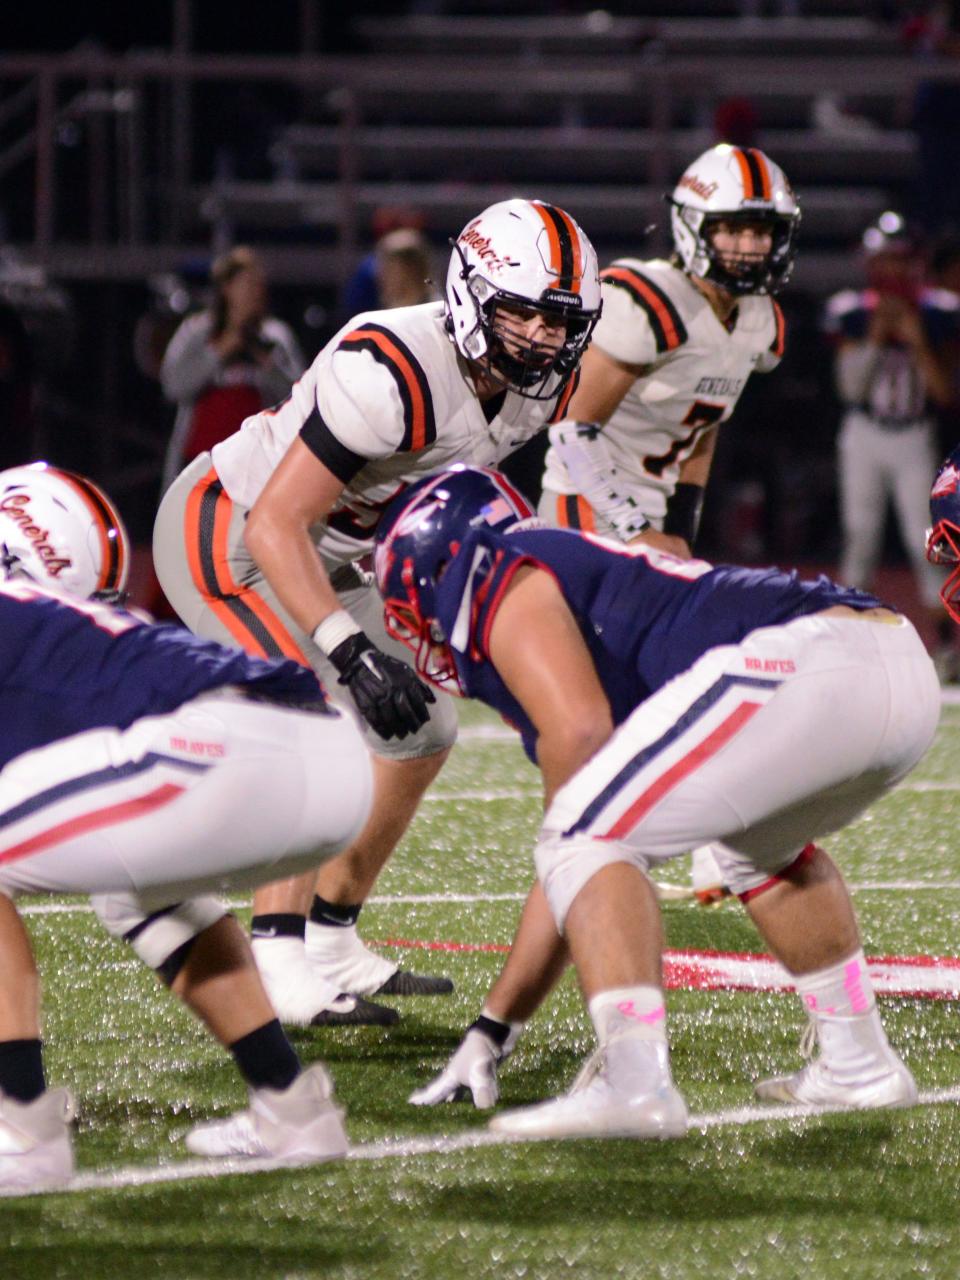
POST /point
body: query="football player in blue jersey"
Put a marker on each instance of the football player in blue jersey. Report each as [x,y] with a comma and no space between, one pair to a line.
[149,767]
[667,702]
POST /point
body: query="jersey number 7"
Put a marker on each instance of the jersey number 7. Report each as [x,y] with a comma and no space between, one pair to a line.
[700,416]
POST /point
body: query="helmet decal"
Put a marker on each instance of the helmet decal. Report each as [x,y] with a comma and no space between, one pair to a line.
[518,260]
[61,529]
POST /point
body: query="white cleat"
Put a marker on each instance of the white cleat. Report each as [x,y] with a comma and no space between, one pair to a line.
[706,878]
[35,1147]
[301,1124]
[672,892]
[303,997]
[340,956]
[885,1083]
[595,1108]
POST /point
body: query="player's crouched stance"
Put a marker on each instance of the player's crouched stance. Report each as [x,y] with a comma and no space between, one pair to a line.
[668,703]
[143,765]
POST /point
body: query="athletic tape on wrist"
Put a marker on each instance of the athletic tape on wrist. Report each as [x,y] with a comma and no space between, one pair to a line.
[333,630]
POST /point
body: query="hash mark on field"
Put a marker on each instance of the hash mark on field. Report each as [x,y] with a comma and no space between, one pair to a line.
[392,1148]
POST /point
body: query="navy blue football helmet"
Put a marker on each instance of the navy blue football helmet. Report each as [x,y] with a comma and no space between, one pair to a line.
[417,536]
[943,538]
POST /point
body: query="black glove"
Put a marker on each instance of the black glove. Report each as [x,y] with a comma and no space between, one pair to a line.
[388,694]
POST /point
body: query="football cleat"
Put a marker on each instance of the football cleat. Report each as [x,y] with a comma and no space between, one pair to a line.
[707,878]
[338,955]
[301,1124]
[35,1145]
[598,1106]
[672,892]
[302,997]
[885,1083]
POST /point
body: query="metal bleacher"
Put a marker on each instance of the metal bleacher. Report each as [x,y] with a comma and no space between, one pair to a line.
[447,112]
[599,113]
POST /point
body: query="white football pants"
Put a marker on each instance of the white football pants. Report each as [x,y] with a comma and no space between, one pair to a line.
[222,793]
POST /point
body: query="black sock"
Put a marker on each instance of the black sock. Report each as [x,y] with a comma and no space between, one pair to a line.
[21,1069]
[497,1031]
[332,913]
[279,924]
[266,1057]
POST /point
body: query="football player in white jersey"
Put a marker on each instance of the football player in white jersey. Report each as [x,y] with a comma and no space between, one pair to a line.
[262,543]
[670,358]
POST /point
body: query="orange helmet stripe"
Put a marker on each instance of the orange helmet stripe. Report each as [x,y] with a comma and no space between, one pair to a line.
[565,250]
[109,527]
[754,173]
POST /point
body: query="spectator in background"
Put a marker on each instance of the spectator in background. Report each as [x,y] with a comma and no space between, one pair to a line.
[226,362]
[896,365]
[363,291]
[404,269]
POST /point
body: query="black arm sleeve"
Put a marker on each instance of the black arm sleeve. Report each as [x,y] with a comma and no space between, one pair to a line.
[323,444]
[683,512]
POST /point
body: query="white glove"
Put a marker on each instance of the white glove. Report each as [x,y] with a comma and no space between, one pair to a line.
[471,1072]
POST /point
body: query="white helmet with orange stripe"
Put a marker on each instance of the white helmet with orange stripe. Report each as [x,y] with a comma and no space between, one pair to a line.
[729,186]
[60,529]
[515,262]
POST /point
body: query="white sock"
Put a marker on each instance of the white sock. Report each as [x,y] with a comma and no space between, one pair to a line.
[840,990]
[841,1003]
[636,1011]
[631,1025]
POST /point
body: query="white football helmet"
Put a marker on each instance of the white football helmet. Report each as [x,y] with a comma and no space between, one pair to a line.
[61,530]
[730,184]
[524,256]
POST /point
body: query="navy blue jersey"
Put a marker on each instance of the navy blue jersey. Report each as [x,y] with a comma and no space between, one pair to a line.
[644,616]
[67,666]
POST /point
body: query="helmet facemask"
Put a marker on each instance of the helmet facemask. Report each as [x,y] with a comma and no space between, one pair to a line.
[740,273]
[529,367]
[403,616]
[419,535]
[943,547]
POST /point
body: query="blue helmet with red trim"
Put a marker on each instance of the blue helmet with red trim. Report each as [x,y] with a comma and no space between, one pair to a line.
[418,534]
[943,538]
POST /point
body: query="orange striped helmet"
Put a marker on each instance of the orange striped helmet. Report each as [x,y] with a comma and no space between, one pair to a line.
[517,259]
[60,529]
[732,185]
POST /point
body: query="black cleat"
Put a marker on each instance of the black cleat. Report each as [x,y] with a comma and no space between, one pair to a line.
[355,1012]
[405,983]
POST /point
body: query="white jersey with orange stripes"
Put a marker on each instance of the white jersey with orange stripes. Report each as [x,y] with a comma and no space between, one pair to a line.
[386,401]
[693,369]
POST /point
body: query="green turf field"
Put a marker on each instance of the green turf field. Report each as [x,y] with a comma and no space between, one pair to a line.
[422,1195]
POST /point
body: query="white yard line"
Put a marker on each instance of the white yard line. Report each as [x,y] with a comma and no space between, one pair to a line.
[393,1148]
[437,899]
